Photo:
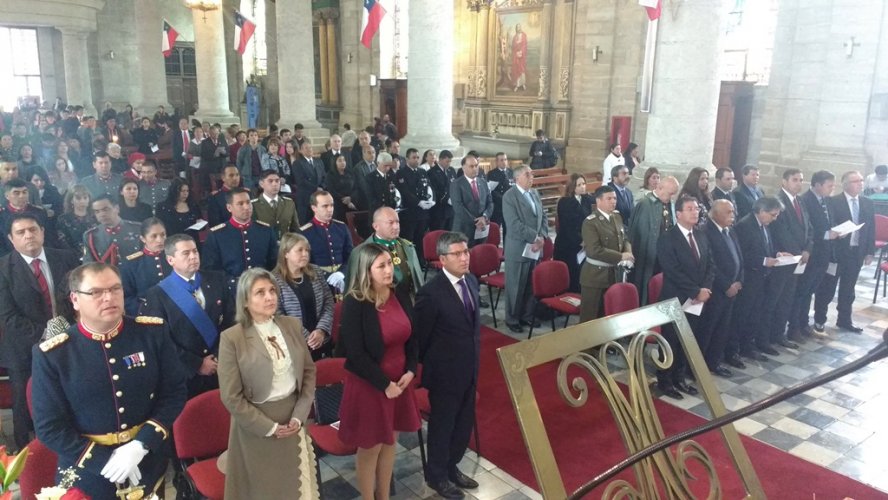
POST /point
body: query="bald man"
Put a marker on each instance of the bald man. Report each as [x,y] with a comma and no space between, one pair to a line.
[386,232]
[653,215]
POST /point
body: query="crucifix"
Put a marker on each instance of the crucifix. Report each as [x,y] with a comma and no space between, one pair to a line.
[849,47]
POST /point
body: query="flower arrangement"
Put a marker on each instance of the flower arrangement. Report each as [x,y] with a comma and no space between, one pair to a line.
[65,489]
[11,466]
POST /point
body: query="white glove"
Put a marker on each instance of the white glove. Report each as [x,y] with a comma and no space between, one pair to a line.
[336,280]
[124,462]
[135,477]
[426,204]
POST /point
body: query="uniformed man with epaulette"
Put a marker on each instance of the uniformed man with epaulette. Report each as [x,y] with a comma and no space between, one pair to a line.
[239,244]
[379,185]
[152,190]
[386,228]
[114,238]
[606,245]
[330,241]
[106,392]
[270,207]
[142,270]
[413,184]
[216,211]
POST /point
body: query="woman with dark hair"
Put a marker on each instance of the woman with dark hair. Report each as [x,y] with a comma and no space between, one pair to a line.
[341,184]
[697,187]
[50,197]
[631,157]
[77,219]
[178,211]
[305,294]
[61,175]
[542,153]
[131,208]
[650,183]
[142,270]
[573,208]
[145,137]
[429,158]
[614,157]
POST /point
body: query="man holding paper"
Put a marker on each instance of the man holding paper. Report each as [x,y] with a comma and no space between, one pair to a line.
[604,239]
[528,227]
[688,274]
[472,202]
[852,252]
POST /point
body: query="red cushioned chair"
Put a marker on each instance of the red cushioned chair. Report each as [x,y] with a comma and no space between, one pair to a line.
[201,435]
[550,280]
[548,249]
[484,264]
[421,396]
[881,229]
[5,390]
[351,219]
[883,269]
[325,437]
[494,237]
[40,471]
[430,250]
[654,286]
[620,297]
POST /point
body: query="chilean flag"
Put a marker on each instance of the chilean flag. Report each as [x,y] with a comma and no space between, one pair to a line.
[243,30]
[373,14]
[168,40]
[652,7]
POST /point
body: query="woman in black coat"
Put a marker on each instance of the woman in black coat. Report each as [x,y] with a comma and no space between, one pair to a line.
[573,208]
[341,183]
[179,212]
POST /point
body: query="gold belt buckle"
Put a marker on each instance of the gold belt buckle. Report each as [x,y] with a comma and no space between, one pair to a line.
[124,437]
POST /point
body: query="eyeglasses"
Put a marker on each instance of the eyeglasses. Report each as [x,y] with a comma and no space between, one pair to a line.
[98,293]
[461,253]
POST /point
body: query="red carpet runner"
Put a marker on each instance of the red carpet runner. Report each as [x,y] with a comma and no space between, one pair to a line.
[585,440]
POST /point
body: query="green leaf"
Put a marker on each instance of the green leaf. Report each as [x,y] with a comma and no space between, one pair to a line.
[16,467]
[3,476]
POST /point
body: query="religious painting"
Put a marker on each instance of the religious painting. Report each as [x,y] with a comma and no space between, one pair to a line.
[518,43]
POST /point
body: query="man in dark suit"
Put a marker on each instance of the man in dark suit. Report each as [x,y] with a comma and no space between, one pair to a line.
[213,155]
[815,204]
[441,175]
[309,176]
[625,201]
[448,325]
[33,289]
[688,273]
[757,251]
[852,252]
[472,202]
[792,236]
[724,185]
[728,281]
[181,142]
[328,157]
[216,211]
[748,191]
[417,199]
[503,176]
[199,305]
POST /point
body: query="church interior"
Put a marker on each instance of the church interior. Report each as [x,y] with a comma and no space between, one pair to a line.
[778,84]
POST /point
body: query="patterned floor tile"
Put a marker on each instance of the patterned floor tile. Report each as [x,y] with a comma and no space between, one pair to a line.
[812,417]
[796,428]
[815,453]
[778,438]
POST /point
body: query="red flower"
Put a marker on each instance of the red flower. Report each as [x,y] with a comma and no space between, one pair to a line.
[75,494]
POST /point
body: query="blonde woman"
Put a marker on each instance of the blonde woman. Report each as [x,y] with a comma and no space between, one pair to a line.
[267,382]
[380,356]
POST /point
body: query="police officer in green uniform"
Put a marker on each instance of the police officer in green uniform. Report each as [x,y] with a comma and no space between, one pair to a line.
[270,207]
[606,246]
[386,228]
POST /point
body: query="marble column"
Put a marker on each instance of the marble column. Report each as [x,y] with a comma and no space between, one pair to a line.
[332,69]
[325,61]
[75,52]
[212,71]
[296,78]
[430,95]
[686,85]
[151,61]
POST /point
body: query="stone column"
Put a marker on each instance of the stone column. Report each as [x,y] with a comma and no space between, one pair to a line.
[332,69]
[681,125]
[325,61]
[296,78]
[78,88]
[545,53]
[151,61]
[430,95]
[481,60]
[212,71]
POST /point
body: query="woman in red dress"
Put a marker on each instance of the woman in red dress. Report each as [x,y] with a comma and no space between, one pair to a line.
[380,356]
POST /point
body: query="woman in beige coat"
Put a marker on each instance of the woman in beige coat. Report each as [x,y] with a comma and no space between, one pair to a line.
[267,381]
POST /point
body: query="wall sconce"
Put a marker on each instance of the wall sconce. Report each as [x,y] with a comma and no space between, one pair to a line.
[595,53]
[372,80]
[203,6]
[111,55]
[348,58]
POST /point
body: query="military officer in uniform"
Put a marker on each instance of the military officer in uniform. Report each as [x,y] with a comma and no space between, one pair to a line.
[329,239]
[142,270]
[152,190]
[606,246]
[107,390]
[413,184]
[386,229]
[379,185]
[505,178]
[114,238]
[216,211]
[199,304]
[239,244]
[104,182]
[270,207]
[440,176]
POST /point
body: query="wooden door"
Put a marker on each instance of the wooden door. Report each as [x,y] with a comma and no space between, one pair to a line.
[732,125]
[393,102]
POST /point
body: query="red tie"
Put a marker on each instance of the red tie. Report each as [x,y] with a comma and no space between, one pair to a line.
[798,209]
[693,246]
[475,193]
[43,285]
[185,141]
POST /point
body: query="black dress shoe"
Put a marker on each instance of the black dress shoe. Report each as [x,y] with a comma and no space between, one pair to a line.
[806,331]
[721,371]
[686,388]
[850,328]
[819,328]
[754,355]
[446,489]
[797,336]
[516,328]
[670,391]
[535,324]
[736,362]
[766,349]
[462,480]
[787,344]
[483,303]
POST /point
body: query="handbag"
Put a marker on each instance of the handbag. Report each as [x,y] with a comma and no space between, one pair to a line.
[326,403]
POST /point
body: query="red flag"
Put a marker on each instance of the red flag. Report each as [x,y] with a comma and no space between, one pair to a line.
[243,30]
[168,41]
[652,7]
[373,14]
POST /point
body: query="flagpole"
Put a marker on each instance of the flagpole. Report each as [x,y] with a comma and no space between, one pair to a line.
[647,74]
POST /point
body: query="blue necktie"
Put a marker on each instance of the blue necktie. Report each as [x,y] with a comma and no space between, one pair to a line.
[466,297]
[855,210]
[730,242]
[530,199]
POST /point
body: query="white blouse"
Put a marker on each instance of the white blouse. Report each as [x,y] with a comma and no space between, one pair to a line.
[283,380]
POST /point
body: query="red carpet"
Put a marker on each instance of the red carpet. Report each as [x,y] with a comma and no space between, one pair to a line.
[585,440]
